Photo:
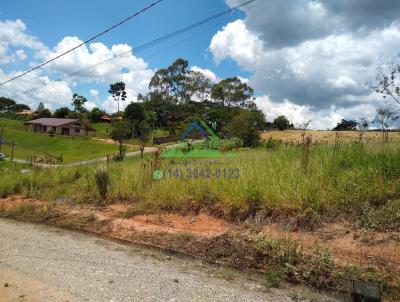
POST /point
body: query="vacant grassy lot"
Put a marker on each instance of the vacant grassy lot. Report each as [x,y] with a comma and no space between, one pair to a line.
[357,182]
[354,185]
[327,136]
[36,144]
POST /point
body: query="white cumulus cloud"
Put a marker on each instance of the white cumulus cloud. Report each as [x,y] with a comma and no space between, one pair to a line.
[41,86]
[207,72]
[94,92]
[308,73]
[14,32]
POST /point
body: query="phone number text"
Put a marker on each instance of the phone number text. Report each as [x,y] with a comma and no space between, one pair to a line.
[219,173]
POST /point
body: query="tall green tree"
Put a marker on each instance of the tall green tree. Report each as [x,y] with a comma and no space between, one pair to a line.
[42,111]
[118,92]
[178,95]
[244,126]
[120,133]
[198,86]
[62,112]
[281,123]
[165,111]
[141,121]
[96,114]
[78,102]
[346,125]
[6,104]
[233,92]
[40,107]
[135,113]
[171,82]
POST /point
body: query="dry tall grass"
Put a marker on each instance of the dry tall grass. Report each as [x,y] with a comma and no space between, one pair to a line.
[327,137]
[356,182]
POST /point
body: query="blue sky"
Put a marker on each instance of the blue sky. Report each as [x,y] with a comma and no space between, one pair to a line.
[307,59]
[51,21]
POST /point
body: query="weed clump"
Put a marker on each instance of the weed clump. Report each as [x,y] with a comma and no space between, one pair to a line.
[102,181]
[272,144]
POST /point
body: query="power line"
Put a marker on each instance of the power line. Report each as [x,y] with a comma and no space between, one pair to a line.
[54,85]
[83,43]
[149,44]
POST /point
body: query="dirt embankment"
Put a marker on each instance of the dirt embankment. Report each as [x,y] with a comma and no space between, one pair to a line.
[348,245]
[245,245]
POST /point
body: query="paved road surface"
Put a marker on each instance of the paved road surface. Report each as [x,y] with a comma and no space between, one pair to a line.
[38,263]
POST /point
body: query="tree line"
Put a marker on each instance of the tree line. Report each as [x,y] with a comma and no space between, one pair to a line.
[178,95]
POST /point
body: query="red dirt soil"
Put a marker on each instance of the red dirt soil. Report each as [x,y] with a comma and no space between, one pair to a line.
[201,225]
[17,200]
[348,245]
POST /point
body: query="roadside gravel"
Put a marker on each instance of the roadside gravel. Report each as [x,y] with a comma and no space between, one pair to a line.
[38,263]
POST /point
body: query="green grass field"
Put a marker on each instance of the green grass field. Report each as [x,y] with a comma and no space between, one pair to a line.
[6,165]
[36,144]
[359,182]
[103,130]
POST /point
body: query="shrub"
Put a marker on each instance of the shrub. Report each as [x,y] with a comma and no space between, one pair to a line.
[102,182]
[243,126]
[230,144]
[272,144]
[281,123]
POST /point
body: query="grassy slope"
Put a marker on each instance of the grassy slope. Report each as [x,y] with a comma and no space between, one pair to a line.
[73,148]
[103,130]
[6,165]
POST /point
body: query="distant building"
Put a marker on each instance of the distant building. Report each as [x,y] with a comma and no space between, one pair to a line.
[70,127]
[26,112]
[106,118]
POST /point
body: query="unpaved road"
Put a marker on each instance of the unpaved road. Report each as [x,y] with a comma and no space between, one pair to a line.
[38,263]
[89,161]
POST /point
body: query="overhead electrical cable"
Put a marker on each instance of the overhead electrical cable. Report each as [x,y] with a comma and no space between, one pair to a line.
[83,43]
[149,44]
